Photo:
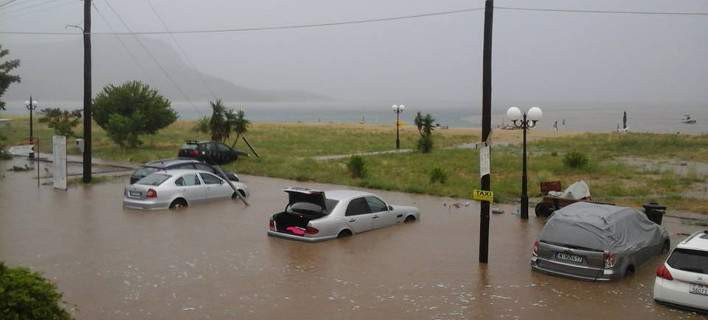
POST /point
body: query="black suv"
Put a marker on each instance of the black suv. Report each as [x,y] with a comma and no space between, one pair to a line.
[171,164]
[209,151]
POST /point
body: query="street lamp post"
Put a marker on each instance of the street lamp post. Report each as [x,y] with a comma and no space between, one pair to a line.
[398,109]
[524,121]
[31,105]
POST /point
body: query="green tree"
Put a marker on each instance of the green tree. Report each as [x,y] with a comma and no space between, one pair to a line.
[238,123]
[202,125]
[27,295]
[6,79]
[425,125]
[130,110]
[219,123]
[62,121]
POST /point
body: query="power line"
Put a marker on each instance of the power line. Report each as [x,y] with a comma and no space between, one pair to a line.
[605,11]
[164,71]
[267,28]
[132,56]
[28,6]
[23,13]
[7,3]
[181,50]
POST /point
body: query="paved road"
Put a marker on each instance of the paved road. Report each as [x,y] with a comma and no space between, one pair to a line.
[216,262]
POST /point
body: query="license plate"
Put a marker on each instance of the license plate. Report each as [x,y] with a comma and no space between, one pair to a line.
[698,289]
[568,257]
[134,194]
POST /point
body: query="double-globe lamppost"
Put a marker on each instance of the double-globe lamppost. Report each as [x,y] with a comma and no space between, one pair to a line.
[398,109]
[524,121]
[31,105]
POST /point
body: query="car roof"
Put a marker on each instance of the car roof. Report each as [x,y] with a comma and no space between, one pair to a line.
[696,241]
[595,214]
[345,194]
[180,172]
[169,162]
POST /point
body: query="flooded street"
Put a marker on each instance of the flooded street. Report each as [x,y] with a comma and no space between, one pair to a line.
[215,261]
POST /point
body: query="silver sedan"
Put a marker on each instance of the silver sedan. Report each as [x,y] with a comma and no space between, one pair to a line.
[313,215]
[178,188]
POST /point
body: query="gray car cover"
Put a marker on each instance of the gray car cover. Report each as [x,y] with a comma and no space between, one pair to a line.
[602,227]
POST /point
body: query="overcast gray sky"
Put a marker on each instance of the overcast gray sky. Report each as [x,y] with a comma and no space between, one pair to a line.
[539,57]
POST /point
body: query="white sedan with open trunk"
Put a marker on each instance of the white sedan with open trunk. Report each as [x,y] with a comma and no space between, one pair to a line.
[313,215]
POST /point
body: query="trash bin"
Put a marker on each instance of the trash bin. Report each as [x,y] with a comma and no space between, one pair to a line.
[655,212]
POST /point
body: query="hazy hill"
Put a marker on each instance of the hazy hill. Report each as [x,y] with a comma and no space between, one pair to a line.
[54,71]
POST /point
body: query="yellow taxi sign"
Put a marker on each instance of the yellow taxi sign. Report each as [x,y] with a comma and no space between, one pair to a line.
[483,195]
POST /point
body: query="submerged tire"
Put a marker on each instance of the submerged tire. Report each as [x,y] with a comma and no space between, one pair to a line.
[409,219]
[543,210]
[344,233]
[178,204]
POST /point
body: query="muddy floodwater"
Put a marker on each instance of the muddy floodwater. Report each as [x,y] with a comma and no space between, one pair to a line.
[215,261]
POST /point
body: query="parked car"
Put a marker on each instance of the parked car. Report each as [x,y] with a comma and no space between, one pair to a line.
[597,242]
[210,151]
[313,215]
[683,279]
[172,164]
[177,189]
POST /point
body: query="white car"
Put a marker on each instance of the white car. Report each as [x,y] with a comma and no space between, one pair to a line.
[177,189]
[683,279]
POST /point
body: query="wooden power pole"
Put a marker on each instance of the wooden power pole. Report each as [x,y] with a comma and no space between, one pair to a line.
[486,126]
[87,92]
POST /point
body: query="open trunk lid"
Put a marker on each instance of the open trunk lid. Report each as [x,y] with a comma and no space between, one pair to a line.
[297,194]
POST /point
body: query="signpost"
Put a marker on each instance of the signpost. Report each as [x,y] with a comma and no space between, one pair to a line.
[59,155]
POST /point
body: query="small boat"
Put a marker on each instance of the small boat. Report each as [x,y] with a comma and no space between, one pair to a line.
[687,119]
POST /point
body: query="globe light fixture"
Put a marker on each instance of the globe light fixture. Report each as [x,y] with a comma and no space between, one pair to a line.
[524,121]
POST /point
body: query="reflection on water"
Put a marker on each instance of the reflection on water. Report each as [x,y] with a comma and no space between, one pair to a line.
[215,261]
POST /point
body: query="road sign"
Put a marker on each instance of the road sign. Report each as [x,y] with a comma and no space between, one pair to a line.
[483,195]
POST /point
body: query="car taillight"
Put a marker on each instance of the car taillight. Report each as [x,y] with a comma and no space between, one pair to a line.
[271,225]
[194,153]
[663,272]
[151,194]
[609,258]
[311,230]
[534,252]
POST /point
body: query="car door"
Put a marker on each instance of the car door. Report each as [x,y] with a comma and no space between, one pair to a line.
[226,155]
[358,216]
[381,216]
[191,188]
[216,188]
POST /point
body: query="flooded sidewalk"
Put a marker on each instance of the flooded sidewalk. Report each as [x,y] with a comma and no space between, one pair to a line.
[215,261]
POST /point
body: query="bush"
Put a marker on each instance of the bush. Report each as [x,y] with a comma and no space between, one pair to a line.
[27,295]
[438,175]
[575,160]
[131,109]
[62,121]
[357,167]
[425,144]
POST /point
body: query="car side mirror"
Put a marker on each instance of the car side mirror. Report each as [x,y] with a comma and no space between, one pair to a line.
[390,208]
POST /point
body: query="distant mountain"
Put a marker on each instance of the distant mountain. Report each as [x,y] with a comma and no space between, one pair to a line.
[53,71]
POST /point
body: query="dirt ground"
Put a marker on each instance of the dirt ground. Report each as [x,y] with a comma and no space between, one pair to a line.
[215,261]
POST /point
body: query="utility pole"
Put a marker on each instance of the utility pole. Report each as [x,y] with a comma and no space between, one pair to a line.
[486,126]
[87,91]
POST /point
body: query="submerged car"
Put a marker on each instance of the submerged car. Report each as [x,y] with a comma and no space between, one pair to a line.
[172,164]
[210,151]
[683,279]
[177,189]
[597,242]
[313,215]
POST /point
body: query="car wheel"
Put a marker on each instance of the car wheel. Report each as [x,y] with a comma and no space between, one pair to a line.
[666,247]
[235,196]
[543,210]
[178,204]
[344,233]
[409,219]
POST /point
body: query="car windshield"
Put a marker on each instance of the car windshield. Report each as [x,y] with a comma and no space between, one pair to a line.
[311,209]
[689,260]
[145,171]
[155,179]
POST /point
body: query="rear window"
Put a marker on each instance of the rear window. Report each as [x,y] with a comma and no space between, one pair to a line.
[154,179]
[189,146]
[689,260]
[145,171]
